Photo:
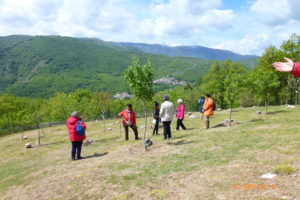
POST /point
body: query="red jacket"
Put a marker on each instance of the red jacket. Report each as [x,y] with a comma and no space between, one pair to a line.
[296,70]
[124,114]
[72,123]
[180,112]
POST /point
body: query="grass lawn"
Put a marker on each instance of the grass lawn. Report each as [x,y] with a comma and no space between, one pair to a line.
[219,163]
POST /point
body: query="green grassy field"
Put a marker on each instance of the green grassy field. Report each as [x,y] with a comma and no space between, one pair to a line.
[196,164]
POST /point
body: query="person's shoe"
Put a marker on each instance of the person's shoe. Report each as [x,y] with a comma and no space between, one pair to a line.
[79,158]
[170,139]
[72,159]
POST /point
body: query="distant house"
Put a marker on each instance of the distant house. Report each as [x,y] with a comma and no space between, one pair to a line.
[123,95]
[169,80]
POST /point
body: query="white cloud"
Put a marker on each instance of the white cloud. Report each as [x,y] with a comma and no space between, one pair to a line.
[276,12]
[258,24]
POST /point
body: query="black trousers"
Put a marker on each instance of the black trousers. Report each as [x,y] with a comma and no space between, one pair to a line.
[134,128]
[167,129]
[76,149]
[156,127]
[179,123]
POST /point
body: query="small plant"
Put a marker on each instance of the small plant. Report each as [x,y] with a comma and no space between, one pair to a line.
[284,169]
[159,194]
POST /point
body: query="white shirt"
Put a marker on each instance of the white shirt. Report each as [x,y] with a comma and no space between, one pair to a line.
[166,111]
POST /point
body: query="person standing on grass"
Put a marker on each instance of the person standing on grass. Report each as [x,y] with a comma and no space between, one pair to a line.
[74,136]
[156,117]
[129,121]
[200,104]
[288,66]
[166,114]
[180,114]
[208,109]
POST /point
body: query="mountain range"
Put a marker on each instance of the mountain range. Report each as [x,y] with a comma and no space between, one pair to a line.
[39,66]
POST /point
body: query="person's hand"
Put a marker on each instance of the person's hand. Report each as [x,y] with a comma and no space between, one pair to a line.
[284,66]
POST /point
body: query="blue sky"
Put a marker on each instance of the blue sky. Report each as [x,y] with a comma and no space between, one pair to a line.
[245,26]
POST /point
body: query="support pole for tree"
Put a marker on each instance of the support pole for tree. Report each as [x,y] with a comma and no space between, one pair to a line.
[145,123]
[230,113]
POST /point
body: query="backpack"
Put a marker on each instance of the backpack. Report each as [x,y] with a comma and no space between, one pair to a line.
[214,106]
[80,131]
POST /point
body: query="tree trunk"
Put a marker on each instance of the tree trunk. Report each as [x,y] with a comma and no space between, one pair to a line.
[230,113]
[22,132]
[292,96]
[38,138]
[103,117]
[145,122]
[258,100]
[266,106]
[296,97]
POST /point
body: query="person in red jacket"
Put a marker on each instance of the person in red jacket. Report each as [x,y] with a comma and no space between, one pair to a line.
[288,66]
[180,115]
[129,121]
[76,139]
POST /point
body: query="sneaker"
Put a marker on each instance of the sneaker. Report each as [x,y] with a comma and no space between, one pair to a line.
[80,158]
[170,139]
[72,159]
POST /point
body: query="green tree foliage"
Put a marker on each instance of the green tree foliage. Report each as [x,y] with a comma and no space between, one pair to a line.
[103,101]
[140,81]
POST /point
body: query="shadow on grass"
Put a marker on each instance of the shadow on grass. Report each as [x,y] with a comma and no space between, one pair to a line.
[107,139]
[276,112]
[257,120]
[96,155]
[52,143]
[181,142]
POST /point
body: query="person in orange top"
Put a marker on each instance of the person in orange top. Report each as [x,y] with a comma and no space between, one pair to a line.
[208,109]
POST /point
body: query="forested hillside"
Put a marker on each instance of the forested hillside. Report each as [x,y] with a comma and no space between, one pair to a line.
[42,65]
[188,51]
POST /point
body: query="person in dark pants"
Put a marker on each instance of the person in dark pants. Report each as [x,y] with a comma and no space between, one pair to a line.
[156,118]
[129,121]
[76,139]
[180,115]
[200,104]
[166,114]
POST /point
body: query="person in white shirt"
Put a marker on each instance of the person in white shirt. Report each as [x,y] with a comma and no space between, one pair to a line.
[166,115]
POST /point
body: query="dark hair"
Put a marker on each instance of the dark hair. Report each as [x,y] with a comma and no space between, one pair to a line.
[129,105]
[207,94]
[156,103]
[202,97]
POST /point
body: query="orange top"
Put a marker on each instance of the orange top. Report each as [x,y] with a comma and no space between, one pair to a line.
[208,107]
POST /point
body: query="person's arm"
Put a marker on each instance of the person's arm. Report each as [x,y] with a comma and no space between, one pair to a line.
[288,66]
[121,114]
[296,70]
[134,119]
[162,111]
[82,124]
[204,107]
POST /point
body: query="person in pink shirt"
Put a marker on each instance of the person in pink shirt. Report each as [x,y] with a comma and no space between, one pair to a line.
[180,114]
[288,66]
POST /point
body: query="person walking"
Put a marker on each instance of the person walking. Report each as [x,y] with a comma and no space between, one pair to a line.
[166,114]
[208,109]
[180,114]
[200,104]
[75,137]
[156,117]
[129,121]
